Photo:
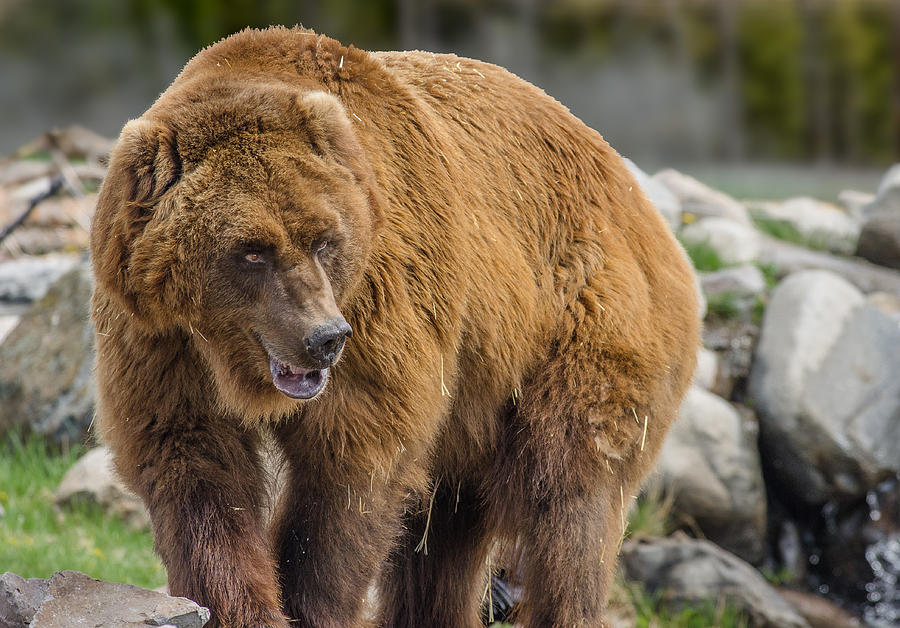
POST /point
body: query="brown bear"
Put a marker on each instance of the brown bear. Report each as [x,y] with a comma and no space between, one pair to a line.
[441,297]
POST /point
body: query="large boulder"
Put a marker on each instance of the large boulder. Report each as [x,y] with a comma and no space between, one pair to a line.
[71,598]
[710,466]
[700,200]
[821,224]
[826,389]
[689,572]
[93,480]
[733,242]
[666,203]
[46,362]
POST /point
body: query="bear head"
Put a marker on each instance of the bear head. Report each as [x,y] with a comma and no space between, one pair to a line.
[242,214]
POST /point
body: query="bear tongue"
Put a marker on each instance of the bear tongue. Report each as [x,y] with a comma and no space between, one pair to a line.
[297,382]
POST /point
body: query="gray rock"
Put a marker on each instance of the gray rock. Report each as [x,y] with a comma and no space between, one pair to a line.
[46,363]
[92,479]
[886,302]
[733,242]
[699,199]
[789,258]
[817,611]
[854,202]
[662,198]
[825,386]
[29,278]
[733,341]
[879,241]
[821,224]
[74,599]
[710,466]
[20,599]
[890,181]
[741,281]
[707,371]
[688,572]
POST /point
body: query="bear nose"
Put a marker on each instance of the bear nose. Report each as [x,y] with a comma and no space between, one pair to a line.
[327,339]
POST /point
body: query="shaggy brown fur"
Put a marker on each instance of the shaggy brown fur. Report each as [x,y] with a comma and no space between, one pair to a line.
[524,327]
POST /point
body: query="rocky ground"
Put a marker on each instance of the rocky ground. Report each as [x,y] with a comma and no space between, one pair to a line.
[780,475]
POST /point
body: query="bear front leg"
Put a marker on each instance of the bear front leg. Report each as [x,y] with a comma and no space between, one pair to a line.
[332,531]
[196,469]
[203,487]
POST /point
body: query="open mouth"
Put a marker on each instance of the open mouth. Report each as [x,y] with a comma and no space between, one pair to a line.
[295,381]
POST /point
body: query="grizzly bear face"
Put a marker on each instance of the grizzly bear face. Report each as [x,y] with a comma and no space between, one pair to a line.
[243,216]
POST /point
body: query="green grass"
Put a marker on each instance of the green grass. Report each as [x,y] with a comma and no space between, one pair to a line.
[724,305]
[703,256]
[37,539]
[783,230]
[653,612]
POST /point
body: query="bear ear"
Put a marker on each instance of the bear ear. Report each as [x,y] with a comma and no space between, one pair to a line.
[144,164]
[332,133]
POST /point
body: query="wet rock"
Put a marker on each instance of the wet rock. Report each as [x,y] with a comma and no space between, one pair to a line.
[733,242]
[29,278]
[662,198]
[700,200]
[825,388]
[46,363]
[74,599]
[710,466]
[92,479]
[822,225]
[20,599]
[687,572]
[817,611]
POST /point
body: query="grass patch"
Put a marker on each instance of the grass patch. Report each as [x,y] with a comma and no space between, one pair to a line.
[724,305]
[37,539]
[703,256]
[769,273]
[783,230]
[652,612]
[651,515]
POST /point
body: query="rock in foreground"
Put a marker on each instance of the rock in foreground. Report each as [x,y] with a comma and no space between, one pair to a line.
[71,598]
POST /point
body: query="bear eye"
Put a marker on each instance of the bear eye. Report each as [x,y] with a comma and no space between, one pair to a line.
[254,258]
[321,246]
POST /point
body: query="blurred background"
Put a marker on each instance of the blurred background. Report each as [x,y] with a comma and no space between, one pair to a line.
[810,85]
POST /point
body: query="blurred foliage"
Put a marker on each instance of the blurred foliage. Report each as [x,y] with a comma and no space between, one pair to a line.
[797,79]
